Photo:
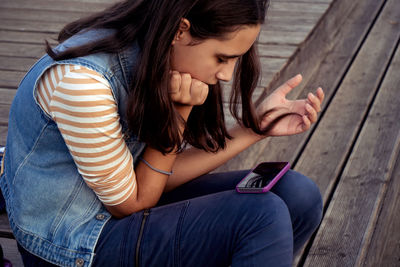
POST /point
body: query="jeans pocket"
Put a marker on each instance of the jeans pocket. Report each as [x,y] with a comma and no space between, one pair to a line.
[161,235]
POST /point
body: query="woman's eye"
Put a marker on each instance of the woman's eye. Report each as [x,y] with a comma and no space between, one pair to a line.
[222,60]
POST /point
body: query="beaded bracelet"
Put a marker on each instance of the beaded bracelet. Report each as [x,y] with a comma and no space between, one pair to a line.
[154,168]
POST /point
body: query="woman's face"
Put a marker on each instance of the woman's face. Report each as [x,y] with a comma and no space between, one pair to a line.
[210,60]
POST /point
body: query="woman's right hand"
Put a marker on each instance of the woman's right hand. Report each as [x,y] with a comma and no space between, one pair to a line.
[186,92]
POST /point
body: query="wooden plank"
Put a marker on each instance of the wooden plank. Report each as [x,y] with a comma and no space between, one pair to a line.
[10,79]
[4,225]
[6,96]
[385,244]
[336,132]
[287,22]
[16,63]
[27,37]
[104,1]
[31,26]
[289,14]
[3,135]
[278,37]
[322,58]
[11,252]
[345,232]
[272,50]
[98,1]
[59,5]
[326,151]
[310,1]
[287,27]
[4,112]
[22,50]
[270,66]
[327,72]
[284,6]
[40,15]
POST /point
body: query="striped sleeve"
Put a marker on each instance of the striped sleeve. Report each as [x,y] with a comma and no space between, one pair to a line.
[81,102]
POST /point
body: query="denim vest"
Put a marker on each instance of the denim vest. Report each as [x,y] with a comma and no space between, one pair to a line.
[52,212]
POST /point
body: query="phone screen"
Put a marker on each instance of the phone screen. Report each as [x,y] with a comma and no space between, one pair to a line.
[260,178]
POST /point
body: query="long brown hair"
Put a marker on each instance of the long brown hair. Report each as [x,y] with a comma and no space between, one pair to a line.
[153,24]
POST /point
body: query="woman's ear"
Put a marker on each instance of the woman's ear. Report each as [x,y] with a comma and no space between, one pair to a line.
[183,33]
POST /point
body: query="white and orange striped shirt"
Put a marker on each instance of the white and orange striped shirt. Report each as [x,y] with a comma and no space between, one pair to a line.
[81,102]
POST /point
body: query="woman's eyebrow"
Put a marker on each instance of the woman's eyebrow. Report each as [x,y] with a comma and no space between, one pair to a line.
[228,56]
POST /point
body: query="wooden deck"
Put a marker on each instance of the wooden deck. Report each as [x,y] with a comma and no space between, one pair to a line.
[351,49]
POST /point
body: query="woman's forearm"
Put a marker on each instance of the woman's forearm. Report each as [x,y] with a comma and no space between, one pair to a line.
[150,183]
[194,162]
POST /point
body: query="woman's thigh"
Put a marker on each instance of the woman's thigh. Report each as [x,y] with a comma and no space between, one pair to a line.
[218,229]
[206,219]
[297,190]
[300,194]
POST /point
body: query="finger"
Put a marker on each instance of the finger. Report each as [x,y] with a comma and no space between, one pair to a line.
[199,92]
[175,82]
[320,94]
[290,84]
[186,83]
[306,123]
[204,94]
[314,101]
[312,113]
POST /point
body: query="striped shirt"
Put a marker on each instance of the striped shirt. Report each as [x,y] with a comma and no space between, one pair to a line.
[81,102]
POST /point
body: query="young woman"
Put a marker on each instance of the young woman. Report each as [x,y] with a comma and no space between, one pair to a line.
[112,134]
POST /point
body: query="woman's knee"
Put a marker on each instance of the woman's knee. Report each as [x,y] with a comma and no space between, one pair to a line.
[266,210]
[302,197]
[268,234]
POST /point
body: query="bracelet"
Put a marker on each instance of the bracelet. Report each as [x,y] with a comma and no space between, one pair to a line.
[154,168]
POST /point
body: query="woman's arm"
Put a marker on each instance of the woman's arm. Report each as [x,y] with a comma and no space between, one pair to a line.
[185,92]
[194,162]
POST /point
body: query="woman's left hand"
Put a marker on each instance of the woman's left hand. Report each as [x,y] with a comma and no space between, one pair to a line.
[302,112]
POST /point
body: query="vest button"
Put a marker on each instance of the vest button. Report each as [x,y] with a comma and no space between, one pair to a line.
[79,262]
[100,217]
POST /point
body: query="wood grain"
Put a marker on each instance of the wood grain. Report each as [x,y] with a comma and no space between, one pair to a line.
[10,79]
[321,59]
[11,252]
[60,5]
[384,249]
[22,50]
[26,37]
[3,136]
[334,136]
[350,220]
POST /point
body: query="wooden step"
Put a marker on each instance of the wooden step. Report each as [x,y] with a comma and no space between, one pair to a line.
[322,59]
[346,232]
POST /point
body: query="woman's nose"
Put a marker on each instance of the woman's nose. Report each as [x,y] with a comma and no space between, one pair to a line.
[226,72]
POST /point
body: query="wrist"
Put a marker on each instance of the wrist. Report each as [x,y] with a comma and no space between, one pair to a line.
[248,133]
[183,110]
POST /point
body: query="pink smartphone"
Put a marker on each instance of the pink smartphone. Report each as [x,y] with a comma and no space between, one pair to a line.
[263,177]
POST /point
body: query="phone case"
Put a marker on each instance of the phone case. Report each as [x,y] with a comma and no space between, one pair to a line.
[285,168]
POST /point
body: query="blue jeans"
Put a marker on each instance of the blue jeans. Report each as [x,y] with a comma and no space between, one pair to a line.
[207,223]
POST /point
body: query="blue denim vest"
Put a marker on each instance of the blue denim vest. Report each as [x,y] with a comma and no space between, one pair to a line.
[52,212]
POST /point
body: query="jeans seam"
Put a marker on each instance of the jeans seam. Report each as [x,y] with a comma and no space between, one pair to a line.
[177,254]
[146,213]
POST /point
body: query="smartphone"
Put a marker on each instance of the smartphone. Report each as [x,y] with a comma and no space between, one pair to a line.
[263,177]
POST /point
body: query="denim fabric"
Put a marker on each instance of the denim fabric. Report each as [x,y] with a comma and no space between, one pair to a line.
[207,223]
[52,212]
